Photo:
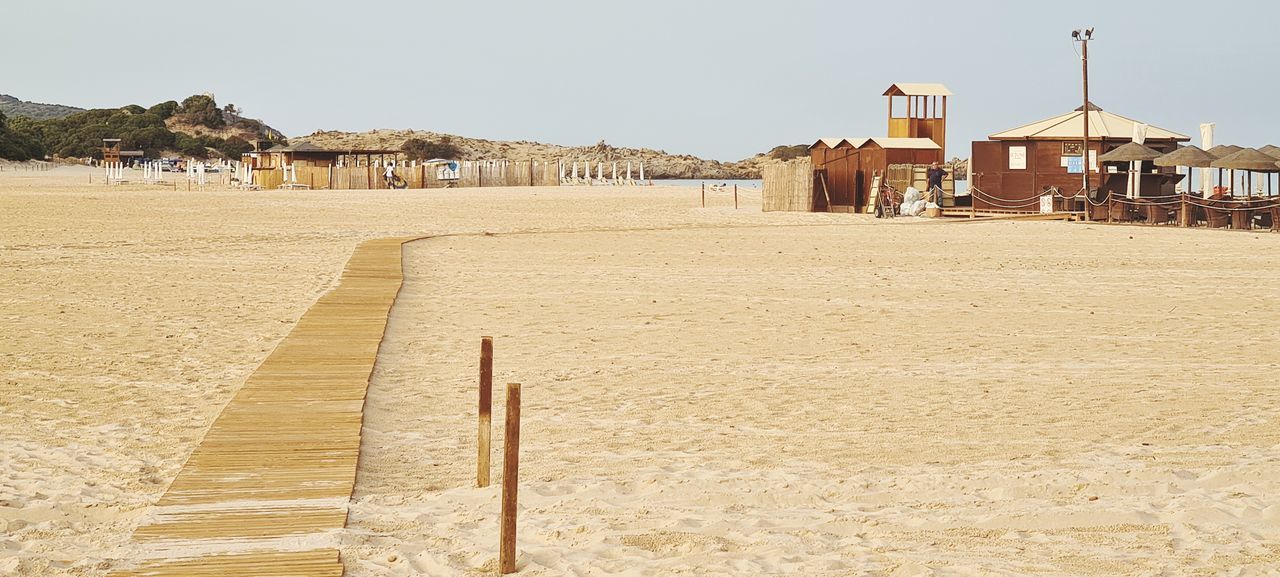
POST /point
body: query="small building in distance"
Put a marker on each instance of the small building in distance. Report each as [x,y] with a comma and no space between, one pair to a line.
[111,153]
[1013,168]
[305,154]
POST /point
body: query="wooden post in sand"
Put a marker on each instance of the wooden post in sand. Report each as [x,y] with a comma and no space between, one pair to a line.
[704,195]
[510,481]
[735,197]
[486,412]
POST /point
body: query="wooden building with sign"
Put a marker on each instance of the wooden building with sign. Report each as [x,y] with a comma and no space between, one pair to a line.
[1014,168]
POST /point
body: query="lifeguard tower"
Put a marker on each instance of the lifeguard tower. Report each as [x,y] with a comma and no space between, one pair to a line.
[110,150]
[926,115]
[111,153]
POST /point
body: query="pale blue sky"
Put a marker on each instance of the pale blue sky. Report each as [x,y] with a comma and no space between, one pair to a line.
[715,79]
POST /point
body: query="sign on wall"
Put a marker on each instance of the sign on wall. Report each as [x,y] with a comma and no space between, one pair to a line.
[1075,164]
[1017,158]
[1072,148]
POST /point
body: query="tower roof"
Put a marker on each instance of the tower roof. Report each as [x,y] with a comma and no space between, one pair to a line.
[917,89]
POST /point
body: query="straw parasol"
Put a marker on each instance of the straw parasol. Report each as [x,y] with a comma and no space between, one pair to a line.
[1271,150]
[1222,150]
[1250,160]
[1189,156]
[1130,152]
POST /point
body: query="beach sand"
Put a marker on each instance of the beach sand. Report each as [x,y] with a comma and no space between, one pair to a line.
[706,391]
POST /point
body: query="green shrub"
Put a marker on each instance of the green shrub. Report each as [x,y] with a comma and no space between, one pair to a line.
[788,152]
[233,147]
[164,110]
[201,110]
[423,149]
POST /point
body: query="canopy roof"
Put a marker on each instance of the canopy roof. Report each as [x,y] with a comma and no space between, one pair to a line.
[917,89]
[910,143]
[1247,159]
[1271,150]
[829,142]
[1102,125]
[881,141]
[1130,152]
[1189,155]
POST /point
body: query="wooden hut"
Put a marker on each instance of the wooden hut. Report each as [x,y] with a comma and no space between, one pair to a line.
[844,168]
[1013,168]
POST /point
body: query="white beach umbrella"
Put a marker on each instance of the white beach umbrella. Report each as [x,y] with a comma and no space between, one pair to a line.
[628,170]
[1140,137]
[599,170]
[641,171]
[1206,142]
[615,171]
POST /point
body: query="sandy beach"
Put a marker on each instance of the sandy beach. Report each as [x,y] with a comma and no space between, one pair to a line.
[706,391]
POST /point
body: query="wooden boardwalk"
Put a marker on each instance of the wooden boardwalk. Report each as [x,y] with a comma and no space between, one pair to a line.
[266,491]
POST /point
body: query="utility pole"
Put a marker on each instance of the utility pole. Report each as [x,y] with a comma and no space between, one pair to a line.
[1083,37]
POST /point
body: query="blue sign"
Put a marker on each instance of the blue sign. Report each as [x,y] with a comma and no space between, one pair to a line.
[1075,165]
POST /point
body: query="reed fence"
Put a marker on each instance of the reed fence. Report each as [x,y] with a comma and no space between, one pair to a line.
[469,173]
[788,186]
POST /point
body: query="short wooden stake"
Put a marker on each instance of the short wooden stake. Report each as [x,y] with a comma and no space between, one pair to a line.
[510,481]
[704,195]
[735,197]
[484,433]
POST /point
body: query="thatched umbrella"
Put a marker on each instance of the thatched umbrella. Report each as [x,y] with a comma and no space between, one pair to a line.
[1249,160]
[1130,152]
[1189,156]
[1274,152]
[1220,151]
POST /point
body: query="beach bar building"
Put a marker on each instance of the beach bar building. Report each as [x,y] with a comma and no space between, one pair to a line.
[1013,169]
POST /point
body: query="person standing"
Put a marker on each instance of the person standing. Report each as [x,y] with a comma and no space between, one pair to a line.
[936,174]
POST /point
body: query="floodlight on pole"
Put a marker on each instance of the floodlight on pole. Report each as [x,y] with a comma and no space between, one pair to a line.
[1083,37]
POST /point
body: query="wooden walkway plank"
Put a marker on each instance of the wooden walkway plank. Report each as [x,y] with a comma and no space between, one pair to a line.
[280,459]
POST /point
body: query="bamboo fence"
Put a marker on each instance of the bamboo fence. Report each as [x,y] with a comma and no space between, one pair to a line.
[470,174]
[788,186]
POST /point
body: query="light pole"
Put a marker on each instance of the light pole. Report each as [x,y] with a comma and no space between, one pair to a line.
[1083,37]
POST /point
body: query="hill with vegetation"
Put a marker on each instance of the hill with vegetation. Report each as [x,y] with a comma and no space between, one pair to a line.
[196,127]
[12,107]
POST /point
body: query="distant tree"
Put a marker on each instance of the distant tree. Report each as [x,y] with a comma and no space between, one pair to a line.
[234,146]
[15,145]
[152,140]
[190,146]
[423,149]
[164,110]
[201,110]
[133,109]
